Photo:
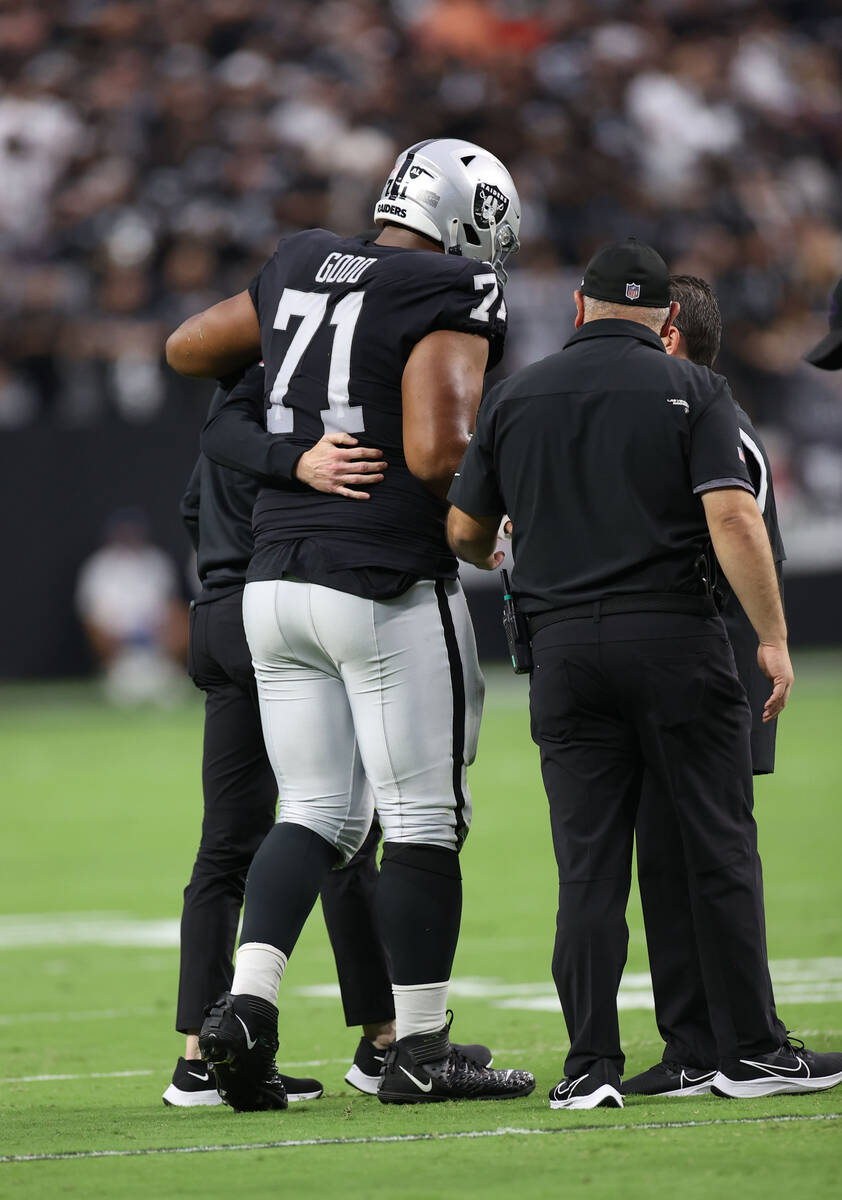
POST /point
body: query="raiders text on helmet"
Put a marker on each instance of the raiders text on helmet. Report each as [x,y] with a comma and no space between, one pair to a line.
[457,194]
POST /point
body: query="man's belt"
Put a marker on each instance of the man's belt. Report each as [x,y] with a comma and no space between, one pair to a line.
[611,606]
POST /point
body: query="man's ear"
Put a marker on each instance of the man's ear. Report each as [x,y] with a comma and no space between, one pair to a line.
[675,309]
[580,309]
[672,341]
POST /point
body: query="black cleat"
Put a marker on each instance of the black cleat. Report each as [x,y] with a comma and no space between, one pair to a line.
[366,1071]
[597,1088]
[670,1079]
[239,1039]
[425,1068]
[789,1070]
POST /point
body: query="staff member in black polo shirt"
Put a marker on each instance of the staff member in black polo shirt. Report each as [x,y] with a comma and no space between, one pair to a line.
[688,1066]
[600,454]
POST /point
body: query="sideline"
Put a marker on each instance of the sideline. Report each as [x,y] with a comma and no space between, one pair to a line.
[507,1131]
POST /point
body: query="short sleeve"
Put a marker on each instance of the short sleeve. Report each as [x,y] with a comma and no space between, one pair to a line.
[717,457]
[254,286]
[475,488]
[474,304]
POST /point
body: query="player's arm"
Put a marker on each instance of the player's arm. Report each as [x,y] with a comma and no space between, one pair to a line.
[234,437]
[218,341]
[741,545]
[189,506]
[441,388]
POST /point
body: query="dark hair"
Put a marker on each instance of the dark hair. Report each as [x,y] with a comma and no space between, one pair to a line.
[699,321]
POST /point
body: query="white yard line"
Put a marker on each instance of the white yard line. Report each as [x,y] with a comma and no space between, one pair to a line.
[417,1137]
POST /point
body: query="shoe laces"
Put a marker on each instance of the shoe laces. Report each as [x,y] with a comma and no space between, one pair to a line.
[793,1043]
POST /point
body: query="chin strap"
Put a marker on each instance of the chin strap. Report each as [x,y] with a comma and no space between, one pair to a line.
[453,246]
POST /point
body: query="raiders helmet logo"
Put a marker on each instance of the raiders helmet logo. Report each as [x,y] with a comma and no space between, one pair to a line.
[490,205]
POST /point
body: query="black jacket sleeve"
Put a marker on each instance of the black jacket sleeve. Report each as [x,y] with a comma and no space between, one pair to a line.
[189,506]
[234,435]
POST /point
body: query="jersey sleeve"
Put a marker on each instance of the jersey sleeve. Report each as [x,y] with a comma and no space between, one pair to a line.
[475,488]
[474,304]
[717,457]
[268,269]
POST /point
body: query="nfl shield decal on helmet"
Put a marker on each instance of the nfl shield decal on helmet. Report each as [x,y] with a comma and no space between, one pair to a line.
[490,205]
[632,291]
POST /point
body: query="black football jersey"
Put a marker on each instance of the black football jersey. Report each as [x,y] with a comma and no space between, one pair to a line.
[339,318]
[740,631]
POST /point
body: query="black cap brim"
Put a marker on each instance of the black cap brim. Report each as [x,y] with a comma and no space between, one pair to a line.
[828,353]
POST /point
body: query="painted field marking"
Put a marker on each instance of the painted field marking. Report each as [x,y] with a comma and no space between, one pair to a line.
[312,1062]
[107,1014]
[508,1131]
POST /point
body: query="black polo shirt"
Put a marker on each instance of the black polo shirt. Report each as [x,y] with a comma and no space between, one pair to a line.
[599,454]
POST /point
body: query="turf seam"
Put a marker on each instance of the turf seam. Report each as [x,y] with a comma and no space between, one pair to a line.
[382,1139]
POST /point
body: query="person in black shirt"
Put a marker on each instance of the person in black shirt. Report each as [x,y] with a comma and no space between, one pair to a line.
[240,791]
[827,354]
[688,1066]
[361,639]
[617,465]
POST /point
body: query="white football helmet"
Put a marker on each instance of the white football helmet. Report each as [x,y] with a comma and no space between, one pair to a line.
[457,194]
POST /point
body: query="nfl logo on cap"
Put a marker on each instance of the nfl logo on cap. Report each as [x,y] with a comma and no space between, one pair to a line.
[632,291]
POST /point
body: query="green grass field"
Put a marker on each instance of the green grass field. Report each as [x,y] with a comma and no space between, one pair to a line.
[101,819]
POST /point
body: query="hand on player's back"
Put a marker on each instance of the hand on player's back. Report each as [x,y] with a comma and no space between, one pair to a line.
[337,464]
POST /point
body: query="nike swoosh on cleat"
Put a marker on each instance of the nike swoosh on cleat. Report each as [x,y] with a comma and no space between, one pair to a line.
[802,1068]
[425,1087]
[197,1076]
[250,1041]
[691,1080]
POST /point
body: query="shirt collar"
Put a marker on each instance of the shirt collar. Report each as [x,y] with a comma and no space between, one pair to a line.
[617,327]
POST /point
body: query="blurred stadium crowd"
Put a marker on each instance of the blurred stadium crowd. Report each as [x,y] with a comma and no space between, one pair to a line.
[151,151]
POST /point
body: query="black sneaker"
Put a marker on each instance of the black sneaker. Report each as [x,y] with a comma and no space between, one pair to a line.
[670,1079]
[366,1070]
[193,1085]
[239,1039]
[425,1068]
[787,1071]
[598,1088]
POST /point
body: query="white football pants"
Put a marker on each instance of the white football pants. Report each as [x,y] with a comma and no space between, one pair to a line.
[353,689]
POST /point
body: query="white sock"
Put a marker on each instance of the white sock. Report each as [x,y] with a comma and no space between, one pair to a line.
[419,1007]
[258,971]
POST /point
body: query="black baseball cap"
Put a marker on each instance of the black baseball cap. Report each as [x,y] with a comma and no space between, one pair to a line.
[828,353]
[628,272]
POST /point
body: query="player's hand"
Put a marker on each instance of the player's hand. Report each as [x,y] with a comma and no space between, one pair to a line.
[773,661]
[504,533]
[337,463]
[493,561]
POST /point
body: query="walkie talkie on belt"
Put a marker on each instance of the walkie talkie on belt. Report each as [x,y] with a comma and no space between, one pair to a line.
[517,634]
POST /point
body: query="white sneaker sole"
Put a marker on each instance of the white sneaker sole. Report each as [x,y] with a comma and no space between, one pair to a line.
[370,1084]
[173,1097]
[294,1097]
[604,1097]
[696,1089]
[745,1089]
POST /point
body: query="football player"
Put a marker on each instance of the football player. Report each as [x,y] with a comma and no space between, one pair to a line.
[361,640]
[688,1066]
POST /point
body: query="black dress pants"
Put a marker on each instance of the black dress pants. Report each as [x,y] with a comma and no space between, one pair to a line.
[611,700]
[240,799]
